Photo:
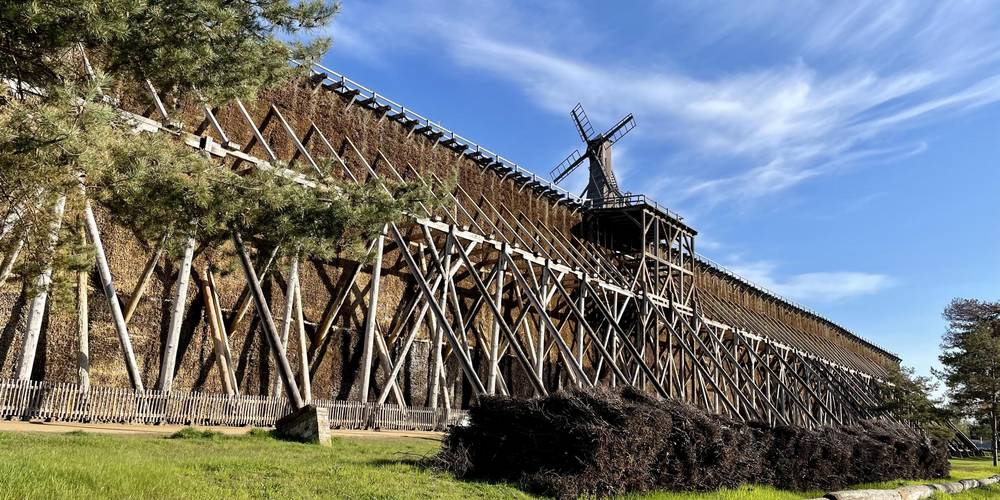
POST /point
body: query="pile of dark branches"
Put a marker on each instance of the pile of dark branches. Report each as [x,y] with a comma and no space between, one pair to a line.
[607,443]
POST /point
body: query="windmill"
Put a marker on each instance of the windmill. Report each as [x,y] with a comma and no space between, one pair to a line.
[602,184]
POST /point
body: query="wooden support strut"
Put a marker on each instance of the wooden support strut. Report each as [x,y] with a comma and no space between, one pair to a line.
[576,372]
[36,311]
[166,380]
[371,317]
[414,330]
[109,292]
[470,370]
[491,380]
[227,352]
[511,337]
[218,340]
[83,324]
[147,273]
[267,322]
[286,323]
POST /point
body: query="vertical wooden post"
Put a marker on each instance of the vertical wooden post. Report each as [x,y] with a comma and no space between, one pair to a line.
[267,322]
[36,311]
[82,325]
[542,351]
[222,330]
[491,381]
[614,347]
[109,291]
[212,318]
[286,321]
[303,346]
[582,303]
[440,383]
[166,381]
[371,317]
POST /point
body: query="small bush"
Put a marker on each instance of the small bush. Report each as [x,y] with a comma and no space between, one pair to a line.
[260,434]
[603,443]
[192,433]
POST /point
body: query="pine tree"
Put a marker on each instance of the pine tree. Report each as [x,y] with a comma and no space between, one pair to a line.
[971,360]
[63,143]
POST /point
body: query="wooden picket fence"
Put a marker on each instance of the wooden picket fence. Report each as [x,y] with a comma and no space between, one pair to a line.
[32,399]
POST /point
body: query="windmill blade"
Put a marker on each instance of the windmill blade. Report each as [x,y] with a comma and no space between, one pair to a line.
[566,166]
[620,129]
[582,122]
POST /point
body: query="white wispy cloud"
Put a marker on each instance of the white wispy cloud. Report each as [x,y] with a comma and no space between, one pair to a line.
[813,286]
[849,75]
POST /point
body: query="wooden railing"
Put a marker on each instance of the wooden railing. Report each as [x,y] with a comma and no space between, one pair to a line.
[31,399]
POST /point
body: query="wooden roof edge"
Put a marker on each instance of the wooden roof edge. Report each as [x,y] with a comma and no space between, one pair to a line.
[795,306]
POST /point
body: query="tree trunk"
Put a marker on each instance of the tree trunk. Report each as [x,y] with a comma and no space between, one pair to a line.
[993,420]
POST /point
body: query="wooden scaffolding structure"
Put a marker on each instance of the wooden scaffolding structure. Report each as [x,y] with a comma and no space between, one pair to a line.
[508,305]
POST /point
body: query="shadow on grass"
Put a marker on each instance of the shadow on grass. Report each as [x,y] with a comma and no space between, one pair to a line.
[435,463]
[416,460]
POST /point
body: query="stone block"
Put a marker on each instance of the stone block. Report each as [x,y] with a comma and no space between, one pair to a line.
[308,424]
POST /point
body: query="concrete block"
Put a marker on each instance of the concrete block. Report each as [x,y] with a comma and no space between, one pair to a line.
[306,425]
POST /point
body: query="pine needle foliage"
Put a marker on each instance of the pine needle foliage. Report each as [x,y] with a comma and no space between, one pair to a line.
[62,138]
[970,360]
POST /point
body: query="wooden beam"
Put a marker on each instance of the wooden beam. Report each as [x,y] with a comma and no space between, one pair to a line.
[267,322]
[167,365]
[371,317]
[36,311]
[303,345]
[470,370]
[291,281]
[227,352]
[212,318]
[491,381]
[83,324]
[112,295]
[147,273]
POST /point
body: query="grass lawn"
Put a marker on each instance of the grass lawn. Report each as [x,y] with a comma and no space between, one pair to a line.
[85,465]
[77,465]
[960,469]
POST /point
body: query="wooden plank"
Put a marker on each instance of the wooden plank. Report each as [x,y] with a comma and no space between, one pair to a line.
[303,346]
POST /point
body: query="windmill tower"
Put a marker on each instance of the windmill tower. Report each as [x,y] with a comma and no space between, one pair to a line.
[602,184]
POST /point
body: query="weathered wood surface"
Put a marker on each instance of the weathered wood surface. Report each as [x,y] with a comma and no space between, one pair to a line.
[31,399]
[514,282]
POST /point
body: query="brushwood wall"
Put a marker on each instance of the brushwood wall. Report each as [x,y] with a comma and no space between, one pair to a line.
[337,357]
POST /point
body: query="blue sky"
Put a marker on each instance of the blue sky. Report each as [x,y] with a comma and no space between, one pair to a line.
[841,154]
